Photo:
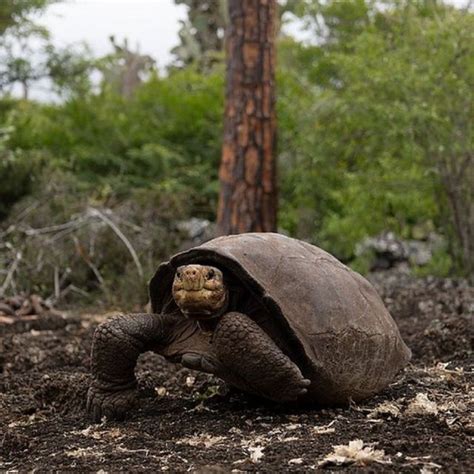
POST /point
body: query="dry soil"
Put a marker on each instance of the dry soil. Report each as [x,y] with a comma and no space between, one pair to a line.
[189,421]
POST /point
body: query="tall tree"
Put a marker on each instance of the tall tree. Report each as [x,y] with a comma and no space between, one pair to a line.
[20,42]
[15,13]
[248,194]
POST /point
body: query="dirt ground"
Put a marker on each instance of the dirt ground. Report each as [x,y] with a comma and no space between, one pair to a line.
[189,421]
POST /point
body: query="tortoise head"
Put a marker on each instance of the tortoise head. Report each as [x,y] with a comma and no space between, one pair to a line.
[200,291]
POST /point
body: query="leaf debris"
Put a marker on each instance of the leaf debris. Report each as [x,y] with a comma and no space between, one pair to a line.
[355,453]
[422,405]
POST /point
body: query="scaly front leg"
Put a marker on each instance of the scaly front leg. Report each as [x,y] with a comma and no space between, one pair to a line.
[251,361]
[116,346]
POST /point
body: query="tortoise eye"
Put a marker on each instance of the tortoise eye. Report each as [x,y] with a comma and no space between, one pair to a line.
[178,275]
[211,274]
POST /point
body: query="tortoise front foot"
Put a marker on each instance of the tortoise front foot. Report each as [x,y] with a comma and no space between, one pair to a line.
[116,346]
[202,362]
[113,405]
[251,361]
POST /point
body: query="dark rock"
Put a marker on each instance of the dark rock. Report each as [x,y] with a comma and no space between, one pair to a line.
[388,250]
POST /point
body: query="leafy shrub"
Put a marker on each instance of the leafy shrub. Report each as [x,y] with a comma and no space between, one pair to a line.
[383,129]
[169,133]
[18,172]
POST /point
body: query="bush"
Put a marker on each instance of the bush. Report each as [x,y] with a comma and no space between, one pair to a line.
[381,130]
[168,133]
[76,249]
[18,172]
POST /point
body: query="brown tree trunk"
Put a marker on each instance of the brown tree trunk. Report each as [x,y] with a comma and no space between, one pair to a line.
[248,194]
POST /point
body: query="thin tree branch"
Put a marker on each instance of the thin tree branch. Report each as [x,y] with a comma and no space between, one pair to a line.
[96,213]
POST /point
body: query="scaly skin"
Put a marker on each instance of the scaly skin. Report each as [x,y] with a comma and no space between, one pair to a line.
[246,357]
[116,346]
[251,361]
[240,352]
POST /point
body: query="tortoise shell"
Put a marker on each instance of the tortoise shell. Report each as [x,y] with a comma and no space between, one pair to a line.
[327,318]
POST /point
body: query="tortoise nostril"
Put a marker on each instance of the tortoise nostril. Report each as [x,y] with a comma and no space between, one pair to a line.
[191,273]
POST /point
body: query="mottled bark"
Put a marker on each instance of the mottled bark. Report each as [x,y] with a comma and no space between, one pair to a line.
[248,195]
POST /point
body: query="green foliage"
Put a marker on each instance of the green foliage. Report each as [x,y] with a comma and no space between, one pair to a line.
[364,262]
[441,265]
[389,117]
[14,13]
[18,172]
[375,134]
[166,134]
[70,69]
[21,41]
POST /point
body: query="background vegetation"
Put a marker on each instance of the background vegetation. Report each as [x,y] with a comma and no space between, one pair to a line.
[375,134]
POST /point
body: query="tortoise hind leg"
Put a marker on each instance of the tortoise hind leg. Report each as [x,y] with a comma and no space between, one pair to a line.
[251,361]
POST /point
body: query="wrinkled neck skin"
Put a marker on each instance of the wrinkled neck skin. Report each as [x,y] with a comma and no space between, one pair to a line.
[210,322]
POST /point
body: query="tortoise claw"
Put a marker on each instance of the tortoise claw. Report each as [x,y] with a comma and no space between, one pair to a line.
[199,362]
[111,405]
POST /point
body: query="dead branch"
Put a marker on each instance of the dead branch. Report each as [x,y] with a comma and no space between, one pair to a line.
[11,271]
[96,213]
[55,228]
[86,258]
[56,283]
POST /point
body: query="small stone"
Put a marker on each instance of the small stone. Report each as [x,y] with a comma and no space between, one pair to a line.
[160,391]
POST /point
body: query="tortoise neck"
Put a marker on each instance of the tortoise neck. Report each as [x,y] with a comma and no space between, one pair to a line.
[208,325]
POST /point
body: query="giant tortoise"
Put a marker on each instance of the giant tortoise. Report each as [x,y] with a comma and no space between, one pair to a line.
[271,315]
